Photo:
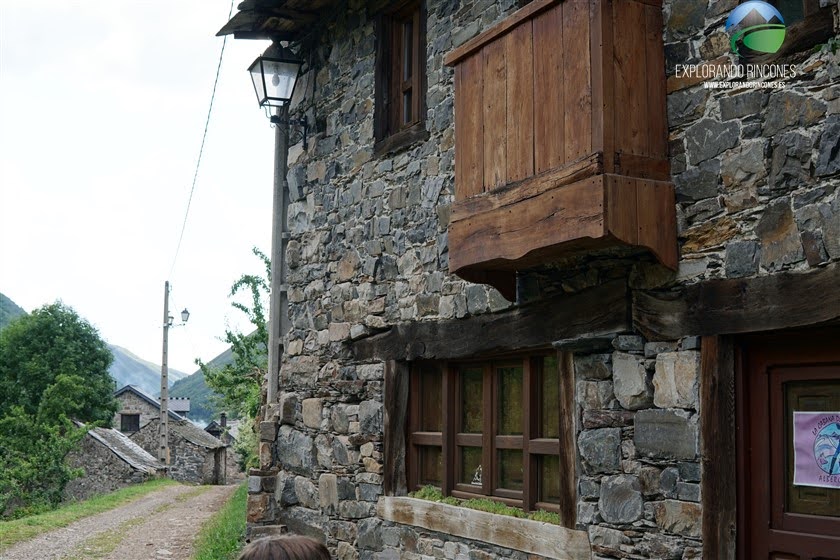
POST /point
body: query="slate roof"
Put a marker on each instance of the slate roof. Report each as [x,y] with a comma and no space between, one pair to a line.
[285,20]
[196,435]
[121,446]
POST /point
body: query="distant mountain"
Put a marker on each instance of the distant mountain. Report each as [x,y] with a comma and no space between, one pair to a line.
[128,369]
[9,311]
[202,398]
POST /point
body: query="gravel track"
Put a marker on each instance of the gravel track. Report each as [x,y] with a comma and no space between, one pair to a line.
[159,526]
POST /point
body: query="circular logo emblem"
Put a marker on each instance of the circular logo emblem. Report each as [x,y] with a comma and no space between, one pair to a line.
[827,449]
[755,28]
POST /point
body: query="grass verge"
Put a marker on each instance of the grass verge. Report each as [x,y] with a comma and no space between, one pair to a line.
[17,530]
[223,535]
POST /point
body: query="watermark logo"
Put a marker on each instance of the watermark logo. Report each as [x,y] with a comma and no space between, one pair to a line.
[755,28]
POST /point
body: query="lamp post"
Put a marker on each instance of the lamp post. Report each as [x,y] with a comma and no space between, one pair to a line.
[163,449]
[274,75]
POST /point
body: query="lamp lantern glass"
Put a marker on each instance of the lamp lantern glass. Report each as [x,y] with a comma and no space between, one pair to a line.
[274,75]
[185,315]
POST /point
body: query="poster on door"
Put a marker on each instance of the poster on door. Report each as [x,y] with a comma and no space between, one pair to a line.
[816,449]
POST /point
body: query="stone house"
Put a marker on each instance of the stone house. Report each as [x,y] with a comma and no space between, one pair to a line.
[228,432]
[110,461]
[537,253]
[195,455]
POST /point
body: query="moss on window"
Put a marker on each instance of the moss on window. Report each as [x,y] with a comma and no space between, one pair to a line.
[433,494]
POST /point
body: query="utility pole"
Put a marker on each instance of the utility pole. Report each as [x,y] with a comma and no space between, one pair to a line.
[163,449]
[278,315]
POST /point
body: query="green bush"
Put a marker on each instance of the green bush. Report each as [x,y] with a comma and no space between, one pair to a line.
[33,473]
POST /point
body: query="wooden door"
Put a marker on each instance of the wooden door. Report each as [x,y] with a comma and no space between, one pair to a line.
[789,447]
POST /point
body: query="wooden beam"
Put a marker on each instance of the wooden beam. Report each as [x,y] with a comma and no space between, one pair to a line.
[603,309]
[474,44]
[534,537]
[717,446]
[395,407]
[743,305]
[568,438]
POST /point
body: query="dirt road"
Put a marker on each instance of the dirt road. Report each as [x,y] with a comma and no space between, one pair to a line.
[159,526]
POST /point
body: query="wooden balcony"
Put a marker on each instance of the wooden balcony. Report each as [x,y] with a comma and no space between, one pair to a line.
[561,139]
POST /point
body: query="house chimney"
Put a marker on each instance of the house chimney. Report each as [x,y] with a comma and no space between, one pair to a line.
[223,419]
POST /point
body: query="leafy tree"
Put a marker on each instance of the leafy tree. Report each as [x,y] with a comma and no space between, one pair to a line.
[239,381]
[32,468]
[54,363]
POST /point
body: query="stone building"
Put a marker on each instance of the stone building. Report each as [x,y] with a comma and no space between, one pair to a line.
[195,456]
[110,461]
[538,254]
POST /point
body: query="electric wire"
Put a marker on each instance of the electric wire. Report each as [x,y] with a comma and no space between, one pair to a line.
[201,149]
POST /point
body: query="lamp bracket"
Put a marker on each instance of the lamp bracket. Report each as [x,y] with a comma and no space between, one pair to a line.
[299,123]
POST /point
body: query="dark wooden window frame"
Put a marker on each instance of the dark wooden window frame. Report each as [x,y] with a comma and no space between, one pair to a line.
[394,129]
[129,422]
[533,446]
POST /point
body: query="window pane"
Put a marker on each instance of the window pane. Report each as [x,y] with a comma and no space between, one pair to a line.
[472,397]
[407,42]
[549,482]
[407,117]
[510,400]
[431,398]
[431,465]
[550,398]
[471,465]
[510,469]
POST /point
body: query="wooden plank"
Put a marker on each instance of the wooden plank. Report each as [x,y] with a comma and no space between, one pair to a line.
[577,85]
[568,441]
[629,68]
[395,406]
[657,220]
[533,537]
[494,115]
[603,309]
[601,53]
[476,43]
[469,128]
[549,126]
[520,102]
[568,213]
[718,446]
[742,305]
[657,125]
[620,208]
[632,165]
[513,193]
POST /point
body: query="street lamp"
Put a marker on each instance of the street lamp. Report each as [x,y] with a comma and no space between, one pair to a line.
[274,75]
[163,449]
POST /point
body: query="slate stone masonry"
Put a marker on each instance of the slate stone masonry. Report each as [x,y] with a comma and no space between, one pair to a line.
[756,177]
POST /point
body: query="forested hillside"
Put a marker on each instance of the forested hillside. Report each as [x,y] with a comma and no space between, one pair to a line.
[9,311]
[203,400]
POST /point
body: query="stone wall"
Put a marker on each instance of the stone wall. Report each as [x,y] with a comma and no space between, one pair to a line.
[189,462]
[104,471]
[132,404]
[756,177]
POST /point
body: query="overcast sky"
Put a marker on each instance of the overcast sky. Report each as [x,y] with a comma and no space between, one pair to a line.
[102,109]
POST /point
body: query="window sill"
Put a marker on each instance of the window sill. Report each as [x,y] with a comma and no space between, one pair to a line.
[533,537]
[400,140]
